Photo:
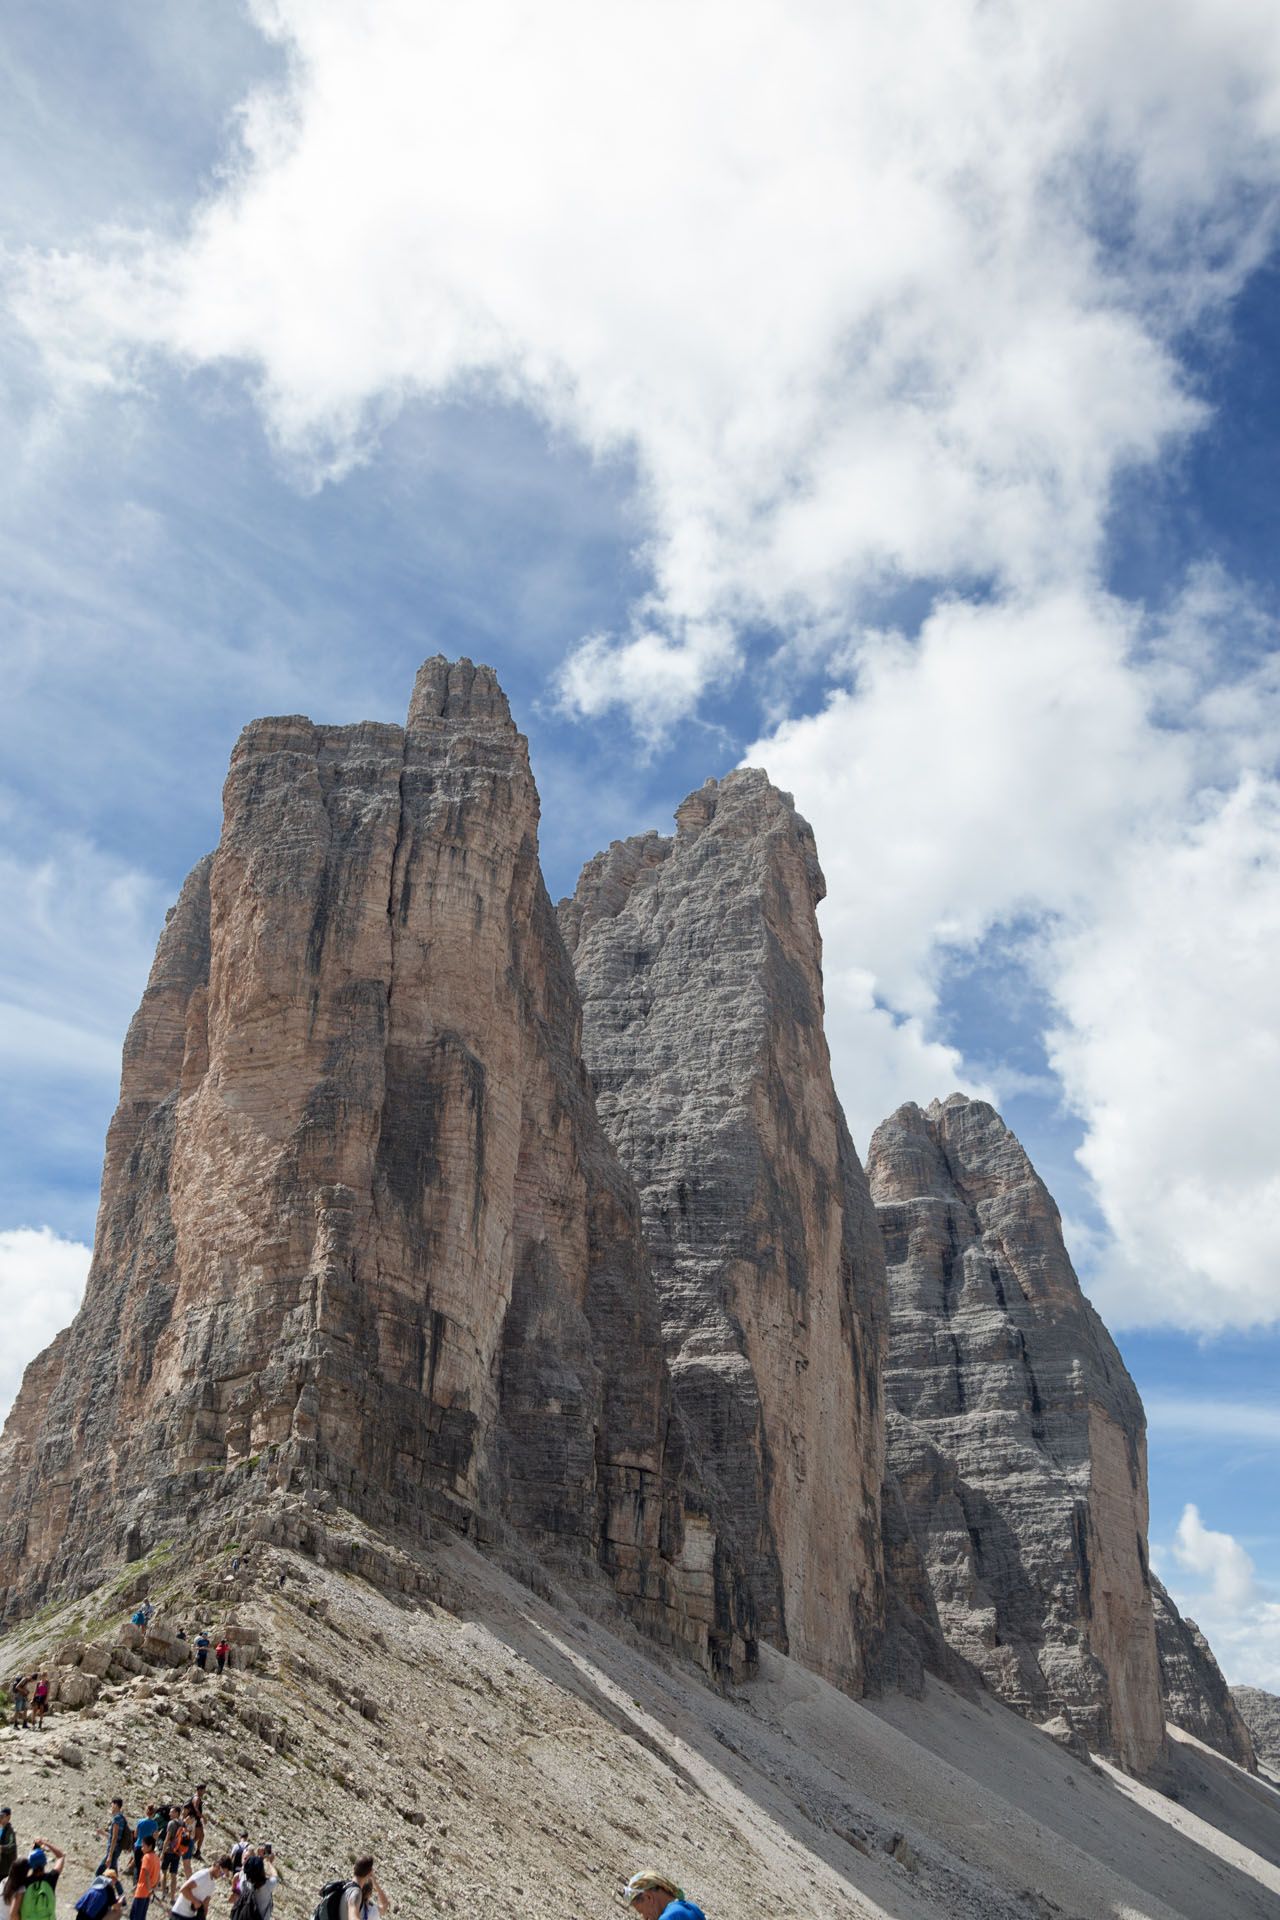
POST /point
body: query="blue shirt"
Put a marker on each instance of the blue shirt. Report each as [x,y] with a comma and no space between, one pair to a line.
[683,1910]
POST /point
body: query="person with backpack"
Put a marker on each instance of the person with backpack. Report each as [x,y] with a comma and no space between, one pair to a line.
[256,1891]
[22,1699]
[8,1842]
[364,1893]
[147,1879]
[37,1900]
[102,1899]
[170,1854]
[117,1835]
[196,1891]
[202,1647]
[654,1897]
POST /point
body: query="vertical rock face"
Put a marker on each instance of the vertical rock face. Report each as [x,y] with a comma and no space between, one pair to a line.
[1196,1697]
[359,1221]
[1019,1441]
[699,963]
[1260,1712]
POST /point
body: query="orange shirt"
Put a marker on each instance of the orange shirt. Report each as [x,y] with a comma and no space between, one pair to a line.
[148,1875]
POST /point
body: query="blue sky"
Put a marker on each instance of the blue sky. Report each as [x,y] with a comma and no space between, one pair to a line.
[769,404]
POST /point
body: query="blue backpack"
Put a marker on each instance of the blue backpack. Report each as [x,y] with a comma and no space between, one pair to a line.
[98,1898]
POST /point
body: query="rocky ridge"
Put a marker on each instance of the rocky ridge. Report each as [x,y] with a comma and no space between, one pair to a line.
[373,1238]
[1260,1712]
[698,960]
[360,1228]
[1196,1697]
[1015,1433]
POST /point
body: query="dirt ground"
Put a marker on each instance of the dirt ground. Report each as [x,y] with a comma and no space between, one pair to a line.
[503,1753]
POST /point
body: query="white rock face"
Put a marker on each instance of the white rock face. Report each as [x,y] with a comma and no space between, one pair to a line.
[1016,1435]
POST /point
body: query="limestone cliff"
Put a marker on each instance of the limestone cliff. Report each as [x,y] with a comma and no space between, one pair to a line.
[1196,1697]
[699,962]
[360,1227]
[1020,1439]
[1260,1712]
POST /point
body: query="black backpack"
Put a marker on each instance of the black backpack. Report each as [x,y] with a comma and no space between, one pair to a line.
[330,1903]
[244,1906]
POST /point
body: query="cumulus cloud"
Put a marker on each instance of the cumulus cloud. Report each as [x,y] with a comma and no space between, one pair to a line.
[865,297]
[42,1278]
[1240,1619]
[865,293]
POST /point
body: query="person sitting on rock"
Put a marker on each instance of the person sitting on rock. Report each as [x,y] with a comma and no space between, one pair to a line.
[655,1897]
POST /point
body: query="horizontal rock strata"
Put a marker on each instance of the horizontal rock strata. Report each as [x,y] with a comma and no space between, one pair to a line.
[699,963]
[1196,1697]
[360,1227]
[1019,1441]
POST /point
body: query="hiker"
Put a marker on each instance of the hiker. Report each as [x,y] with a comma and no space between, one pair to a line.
[221,1652]
[195,1807]
[147,1878]
[102,1899]
[239,1851]
[114,1834]
[202,1647]
[8,1842]
[148,1828]
[37,1901]
[257,1891]
[267,1855]
[654,1897]
[170,1854]
[40,1700]
[14,1884]
[364,1893]
[196,1892]
[22,1700]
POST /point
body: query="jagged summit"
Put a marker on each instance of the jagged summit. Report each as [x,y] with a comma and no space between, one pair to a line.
[360,1229]
[699,963]
[422,1207]
[457,691]
[1016,1433]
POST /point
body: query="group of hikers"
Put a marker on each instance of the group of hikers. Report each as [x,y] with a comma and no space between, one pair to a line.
[30,1691]
[162,1855]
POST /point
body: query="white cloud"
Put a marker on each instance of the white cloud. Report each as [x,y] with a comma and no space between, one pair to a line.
[1170,1049]
[1100,788]
[1218,1557]
[866,293]
[1238,1618]
[58,910]
[867,296]
[41,1280]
